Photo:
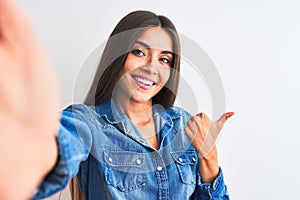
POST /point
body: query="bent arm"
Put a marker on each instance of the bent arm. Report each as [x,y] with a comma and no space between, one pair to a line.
[202,133]
[29,101]
[74,140]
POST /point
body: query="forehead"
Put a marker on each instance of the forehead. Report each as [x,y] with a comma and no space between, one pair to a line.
[157,38]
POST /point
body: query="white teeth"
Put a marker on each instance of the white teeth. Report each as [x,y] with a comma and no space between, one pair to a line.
[144,81]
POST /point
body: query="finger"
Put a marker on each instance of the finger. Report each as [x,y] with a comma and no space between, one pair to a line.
[186,130]
[195,140]
[221,121]
[189,133]
[13,22]
[193,123]
[204,120]
[203,116]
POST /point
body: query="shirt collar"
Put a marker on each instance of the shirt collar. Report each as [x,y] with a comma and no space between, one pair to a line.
[112,113]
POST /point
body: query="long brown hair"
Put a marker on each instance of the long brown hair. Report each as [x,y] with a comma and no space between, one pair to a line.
[127,31]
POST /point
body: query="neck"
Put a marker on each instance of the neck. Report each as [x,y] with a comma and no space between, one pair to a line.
[138,112]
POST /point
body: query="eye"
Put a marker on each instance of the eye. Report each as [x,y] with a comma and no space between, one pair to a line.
[138,52]
[165,60]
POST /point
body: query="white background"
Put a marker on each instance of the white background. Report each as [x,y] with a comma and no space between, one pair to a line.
[255,47]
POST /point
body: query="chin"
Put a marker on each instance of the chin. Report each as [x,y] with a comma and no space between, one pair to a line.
[140,98]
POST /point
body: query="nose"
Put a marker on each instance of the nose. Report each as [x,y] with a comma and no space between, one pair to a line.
[150,69]
[151,66]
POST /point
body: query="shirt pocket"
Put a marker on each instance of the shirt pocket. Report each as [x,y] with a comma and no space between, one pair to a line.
[185,162]
[124,170]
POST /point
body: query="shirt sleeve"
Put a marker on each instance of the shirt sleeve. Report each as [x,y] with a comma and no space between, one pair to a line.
[214,191]
[74,140]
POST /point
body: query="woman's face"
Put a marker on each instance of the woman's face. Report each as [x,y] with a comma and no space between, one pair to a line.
[148,64]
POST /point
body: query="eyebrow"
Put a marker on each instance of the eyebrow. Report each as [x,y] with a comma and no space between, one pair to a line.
[148,47]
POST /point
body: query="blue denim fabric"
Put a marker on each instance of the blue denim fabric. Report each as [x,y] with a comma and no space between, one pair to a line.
[112,160]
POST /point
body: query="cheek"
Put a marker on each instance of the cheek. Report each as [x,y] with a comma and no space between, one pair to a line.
[131,63]
[164,75]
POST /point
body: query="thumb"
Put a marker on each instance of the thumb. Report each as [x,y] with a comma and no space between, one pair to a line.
[221,121]
[14,23]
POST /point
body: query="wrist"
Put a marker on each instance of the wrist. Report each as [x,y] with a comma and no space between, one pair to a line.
[209,167]
[212,155]
[208,171]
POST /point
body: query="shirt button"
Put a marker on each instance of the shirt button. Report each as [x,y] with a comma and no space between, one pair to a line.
[180,159]
[138,161]
[110,159]
[159,168]
[194,159]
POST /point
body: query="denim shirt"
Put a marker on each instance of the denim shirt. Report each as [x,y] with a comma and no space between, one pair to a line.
[112,160]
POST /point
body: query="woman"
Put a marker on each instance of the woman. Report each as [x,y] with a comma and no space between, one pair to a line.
[128,141]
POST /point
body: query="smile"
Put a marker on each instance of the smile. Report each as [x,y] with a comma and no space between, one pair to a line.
[143,82]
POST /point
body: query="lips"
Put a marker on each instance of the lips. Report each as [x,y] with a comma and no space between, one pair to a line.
[143,82]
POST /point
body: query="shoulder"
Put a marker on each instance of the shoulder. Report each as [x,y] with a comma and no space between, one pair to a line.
[178,112]
[79,111]
[172,113]
[79,108]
